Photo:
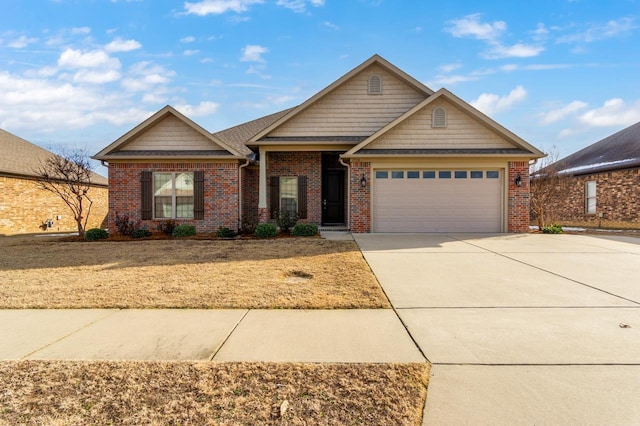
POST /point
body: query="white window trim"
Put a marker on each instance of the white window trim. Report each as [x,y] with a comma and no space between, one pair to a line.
[174,196]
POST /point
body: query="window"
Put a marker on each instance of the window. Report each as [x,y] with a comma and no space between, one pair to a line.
[375,85]
[444,174]
[289,194]
[413,175]
[590,197]
[428,175]
[493,174]
[397,175]
[173,195]
[382,175]
[460,174]
[476,174]
[439,117]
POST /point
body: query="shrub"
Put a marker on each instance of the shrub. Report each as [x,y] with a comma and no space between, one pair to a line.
[266,230]
[167,226]
[223,232]
[95,234]
[126,226]
[141,233]
[552,229]
[304,230]
[248,226]
[286,220]
[184,231]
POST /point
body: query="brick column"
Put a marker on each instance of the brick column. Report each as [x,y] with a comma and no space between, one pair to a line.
[518,219]
[360,198]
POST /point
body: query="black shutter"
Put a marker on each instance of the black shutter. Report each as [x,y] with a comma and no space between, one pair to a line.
[198,195]
[147,195]
[275,196]
[302,197]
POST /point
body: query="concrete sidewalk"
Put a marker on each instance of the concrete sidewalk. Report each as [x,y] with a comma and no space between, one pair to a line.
[375,335]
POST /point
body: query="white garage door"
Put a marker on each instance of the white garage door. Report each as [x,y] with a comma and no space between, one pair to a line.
[437,200]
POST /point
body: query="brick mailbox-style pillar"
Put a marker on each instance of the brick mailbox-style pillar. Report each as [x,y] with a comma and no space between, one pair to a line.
[360,197]
[519,197]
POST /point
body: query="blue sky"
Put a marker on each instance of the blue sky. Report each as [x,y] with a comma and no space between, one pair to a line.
[80,73]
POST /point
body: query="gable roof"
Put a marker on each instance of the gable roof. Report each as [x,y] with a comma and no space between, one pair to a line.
[21,158]
[375,59]
[521,147]
[618,151]
[115,151]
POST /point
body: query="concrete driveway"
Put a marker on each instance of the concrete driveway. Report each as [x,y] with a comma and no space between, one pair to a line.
[520,329]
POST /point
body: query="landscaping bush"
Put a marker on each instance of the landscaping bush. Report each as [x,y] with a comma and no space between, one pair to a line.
[223,232]
[125,225]
[266,230]
[552,229]
[286,220]
[95,234]
[248,226]
[141,233]
[184,231]
[167,226]
[304,230]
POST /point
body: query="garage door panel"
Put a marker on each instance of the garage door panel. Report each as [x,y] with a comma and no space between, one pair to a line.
[437,205]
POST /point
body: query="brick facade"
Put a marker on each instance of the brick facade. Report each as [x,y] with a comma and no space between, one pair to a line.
[518,197]
[617,201]
[360,198]
[220,193]
[307,164]
[250,187]
[25,206]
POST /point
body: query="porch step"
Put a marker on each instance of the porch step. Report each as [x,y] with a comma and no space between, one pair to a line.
[333,228]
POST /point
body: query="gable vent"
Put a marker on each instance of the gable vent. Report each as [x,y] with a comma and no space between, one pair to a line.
[439,117]
[375,85]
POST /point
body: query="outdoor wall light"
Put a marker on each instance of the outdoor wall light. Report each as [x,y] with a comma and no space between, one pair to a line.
[518,180]
[363,181]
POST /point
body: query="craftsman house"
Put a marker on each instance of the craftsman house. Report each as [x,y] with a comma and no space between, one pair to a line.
[604,183]
[375,151]
[27,208]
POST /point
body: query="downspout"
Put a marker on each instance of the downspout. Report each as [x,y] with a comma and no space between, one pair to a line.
[248,161]
[348,190]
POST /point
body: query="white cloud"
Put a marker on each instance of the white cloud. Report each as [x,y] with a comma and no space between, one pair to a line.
[614,112]
[218,7]
[329,26]
[204,108]
[96,77]
[556,115]
[446,68]
[80,30]
[299,6]
[119,45]
[21,42]
[518,50]
[470,26]
[490,103]
[612,28]
[190,52]
[257,70]
[206,60]
[145,76]
[188,39]
[253,53]
[72,58]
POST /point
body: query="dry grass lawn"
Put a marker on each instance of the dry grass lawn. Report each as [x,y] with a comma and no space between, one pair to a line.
[308,273]
[71,393]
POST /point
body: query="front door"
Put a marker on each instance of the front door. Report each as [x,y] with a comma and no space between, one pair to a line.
[332,197]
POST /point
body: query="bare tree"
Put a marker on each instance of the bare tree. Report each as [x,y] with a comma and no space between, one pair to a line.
[548,187]
[69,177]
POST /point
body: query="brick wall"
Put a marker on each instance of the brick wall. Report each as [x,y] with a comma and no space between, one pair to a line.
[307,164]
[518,198]
[250,187]
[617,200]
[220,193]
[25,207]
[360,202]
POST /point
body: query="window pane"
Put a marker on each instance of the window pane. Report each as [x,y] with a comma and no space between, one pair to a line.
[429,175]
[397,175]
[413,175]
[382,175]
[162,207]
[289,194]
[184,207]
[184,184]
[460,174]
[591,188]
[591,205]
[476,175]
[162,184]
[444,174]
[493,174]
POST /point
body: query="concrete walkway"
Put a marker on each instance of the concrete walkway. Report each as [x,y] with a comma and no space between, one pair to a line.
[520,329]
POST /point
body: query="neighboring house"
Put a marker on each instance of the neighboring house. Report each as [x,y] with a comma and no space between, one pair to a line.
[375,151]
[24,206]
[604,187]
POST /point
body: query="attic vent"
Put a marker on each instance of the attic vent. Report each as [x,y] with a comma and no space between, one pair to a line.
[375,85]
[439,117]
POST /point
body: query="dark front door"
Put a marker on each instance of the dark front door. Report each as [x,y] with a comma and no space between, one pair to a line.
[332,197]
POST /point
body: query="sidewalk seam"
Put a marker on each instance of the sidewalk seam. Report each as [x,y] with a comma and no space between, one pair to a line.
[213,355]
